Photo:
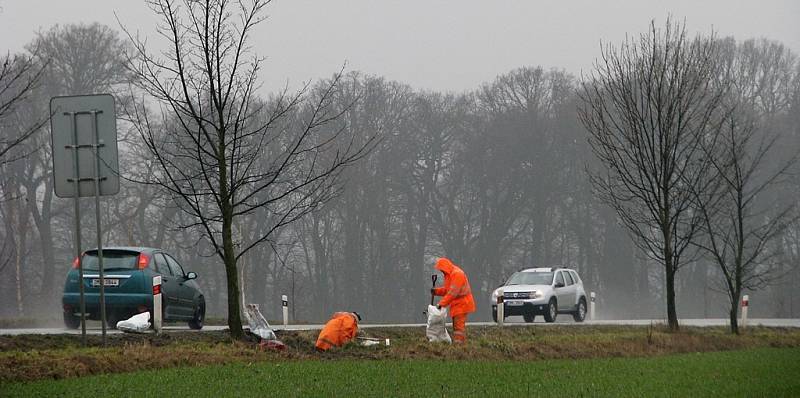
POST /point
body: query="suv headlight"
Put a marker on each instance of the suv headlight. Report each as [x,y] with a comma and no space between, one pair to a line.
[536,295]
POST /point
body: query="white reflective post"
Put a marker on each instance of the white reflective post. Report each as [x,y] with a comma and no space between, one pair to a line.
[745,304]
[500,308]
[591,306]
[285,304]
[157,316]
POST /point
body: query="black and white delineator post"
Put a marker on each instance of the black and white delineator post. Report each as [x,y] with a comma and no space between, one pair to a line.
[745,304]
[157,297]
[591,306]
[285,305]
[85,163]
[501,317]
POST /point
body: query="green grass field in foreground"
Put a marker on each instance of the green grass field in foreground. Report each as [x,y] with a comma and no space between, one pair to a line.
[768,372]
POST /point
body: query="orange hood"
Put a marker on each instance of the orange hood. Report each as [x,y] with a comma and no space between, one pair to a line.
[445,265]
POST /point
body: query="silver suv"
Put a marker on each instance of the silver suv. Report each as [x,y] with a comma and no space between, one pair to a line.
[542,291]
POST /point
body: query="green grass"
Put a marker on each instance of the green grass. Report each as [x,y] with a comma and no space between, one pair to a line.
[771,372]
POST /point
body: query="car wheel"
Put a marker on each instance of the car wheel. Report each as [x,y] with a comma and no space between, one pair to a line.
[580,313]
[529,318]
[552,311]
[71,321]
[199,316]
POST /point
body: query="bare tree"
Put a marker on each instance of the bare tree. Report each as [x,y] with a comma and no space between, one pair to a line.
[739,226]
[19,74]
[648,105]
[224,154]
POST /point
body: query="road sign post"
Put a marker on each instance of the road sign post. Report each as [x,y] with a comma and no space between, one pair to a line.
[157,315]
[591,306]
[501,313]
[285,305]
[745,304]
[79,123]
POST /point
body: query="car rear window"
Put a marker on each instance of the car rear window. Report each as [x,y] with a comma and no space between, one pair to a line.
[112,260]
[531,278]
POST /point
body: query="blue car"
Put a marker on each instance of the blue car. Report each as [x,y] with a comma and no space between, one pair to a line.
[129,273]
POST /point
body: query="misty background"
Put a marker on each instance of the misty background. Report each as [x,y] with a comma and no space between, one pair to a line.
[482,157]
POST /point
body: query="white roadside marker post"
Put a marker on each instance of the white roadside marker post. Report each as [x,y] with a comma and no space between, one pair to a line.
[285,304]
[157,316]
[745,304]
[591,306]
[500,308]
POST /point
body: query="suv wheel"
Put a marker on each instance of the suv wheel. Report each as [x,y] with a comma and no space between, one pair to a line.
[580,314]
[529,317]
[199,316]
[552,311]
[71,321]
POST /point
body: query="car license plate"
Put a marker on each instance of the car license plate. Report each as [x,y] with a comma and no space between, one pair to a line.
[107,282]
[513,303]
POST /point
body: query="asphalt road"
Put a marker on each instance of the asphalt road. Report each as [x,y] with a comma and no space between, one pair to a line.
[94,327]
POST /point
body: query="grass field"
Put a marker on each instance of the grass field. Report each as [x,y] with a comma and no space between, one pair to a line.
[37,357]
[765,372]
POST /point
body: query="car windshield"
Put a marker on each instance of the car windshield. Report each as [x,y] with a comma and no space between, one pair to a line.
[112,260]
[531,278]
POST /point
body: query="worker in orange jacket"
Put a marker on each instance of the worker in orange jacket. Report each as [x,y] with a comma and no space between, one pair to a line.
[342,328]
[457,295]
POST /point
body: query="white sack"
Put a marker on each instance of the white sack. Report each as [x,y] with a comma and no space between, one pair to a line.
[258,324]
[436,330]
[138,323]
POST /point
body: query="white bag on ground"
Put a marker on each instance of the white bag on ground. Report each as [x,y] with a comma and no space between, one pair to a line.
[138,323]
[436,330]
[258,324]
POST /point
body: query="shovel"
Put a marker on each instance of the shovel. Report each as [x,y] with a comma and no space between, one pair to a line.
[434,277]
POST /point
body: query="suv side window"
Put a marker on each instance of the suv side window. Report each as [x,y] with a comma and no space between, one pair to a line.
[568,278]
[559,278]
[161,265]
[575,276]
[174,266]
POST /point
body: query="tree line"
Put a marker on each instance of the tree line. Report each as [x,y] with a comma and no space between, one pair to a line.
[344,190]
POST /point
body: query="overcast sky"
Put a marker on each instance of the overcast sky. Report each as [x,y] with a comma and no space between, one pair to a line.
[439,45]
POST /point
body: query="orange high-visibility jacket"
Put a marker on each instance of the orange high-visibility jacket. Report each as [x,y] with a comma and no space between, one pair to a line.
[456,291]
[342,327]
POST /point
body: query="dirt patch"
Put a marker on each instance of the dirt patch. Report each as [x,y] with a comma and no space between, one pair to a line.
[30,357]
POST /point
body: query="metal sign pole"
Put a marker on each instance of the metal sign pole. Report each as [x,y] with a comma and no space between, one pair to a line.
[71,127]
[96,164]
[76,180]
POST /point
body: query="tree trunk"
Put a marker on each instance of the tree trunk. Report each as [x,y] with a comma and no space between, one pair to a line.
[734,315]
[234,318]
[672,315]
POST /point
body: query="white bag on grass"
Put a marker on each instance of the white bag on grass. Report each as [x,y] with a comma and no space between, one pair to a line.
[436,330]
[138,323]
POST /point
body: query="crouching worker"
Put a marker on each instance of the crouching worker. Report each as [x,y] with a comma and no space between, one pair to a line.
[342,328]
[457,295]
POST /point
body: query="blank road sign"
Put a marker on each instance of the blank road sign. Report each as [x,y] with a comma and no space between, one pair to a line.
[73,124]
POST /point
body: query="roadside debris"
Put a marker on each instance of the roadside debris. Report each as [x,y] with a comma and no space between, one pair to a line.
[138,323]
[260,327]
[373,341]
[340,330]
[436,330]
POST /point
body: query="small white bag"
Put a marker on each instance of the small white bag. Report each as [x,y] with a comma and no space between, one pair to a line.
[138,323]
[436,330]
